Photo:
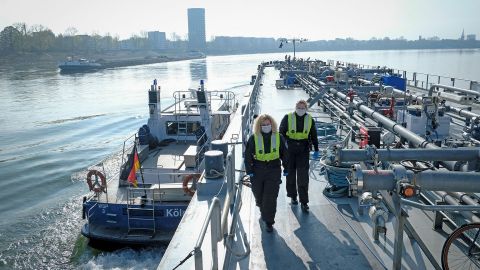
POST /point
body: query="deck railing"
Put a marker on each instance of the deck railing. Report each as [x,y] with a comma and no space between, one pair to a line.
[419,79]
[217,216]
[251,108]
[227,97]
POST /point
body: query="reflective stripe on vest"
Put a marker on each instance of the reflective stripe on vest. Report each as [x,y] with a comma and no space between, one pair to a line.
[274,148]
[292,127]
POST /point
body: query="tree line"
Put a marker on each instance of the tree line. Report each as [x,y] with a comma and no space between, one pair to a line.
[20,38]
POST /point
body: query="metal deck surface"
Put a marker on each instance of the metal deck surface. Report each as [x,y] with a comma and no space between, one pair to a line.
[332,236]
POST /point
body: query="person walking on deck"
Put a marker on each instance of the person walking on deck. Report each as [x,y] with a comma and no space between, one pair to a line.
[265,152]
[299,129]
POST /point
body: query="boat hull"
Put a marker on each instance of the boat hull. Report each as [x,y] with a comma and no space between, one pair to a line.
[110,223]
[79,68]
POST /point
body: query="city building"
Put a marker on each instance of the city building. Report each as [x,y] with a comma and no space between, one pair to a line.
[237,44]
[196,30]
[471,37]
[157,40]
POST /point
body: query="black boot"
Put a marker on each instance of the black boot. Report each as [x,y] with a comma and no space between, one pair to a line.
[305,207]
[269,227]
[294,201]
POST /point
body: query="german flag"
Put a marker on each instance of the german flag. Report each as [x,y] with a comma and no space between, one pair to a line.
[132,177]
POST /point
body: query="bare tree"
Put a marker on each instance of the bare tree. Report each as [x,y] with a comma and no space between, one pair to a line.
[71,31]
[21,27]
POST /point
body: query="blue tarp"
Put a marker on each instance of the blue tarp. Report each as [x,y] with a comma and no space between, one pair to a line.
[395,82]
[290,80]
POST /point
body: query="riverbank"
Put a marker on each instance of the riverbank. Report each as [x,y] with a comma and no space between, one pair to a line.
[108,59]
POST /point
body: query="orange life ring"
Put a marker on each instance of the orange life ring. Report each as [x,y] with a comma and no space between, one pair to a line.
[190,191]
[96,186]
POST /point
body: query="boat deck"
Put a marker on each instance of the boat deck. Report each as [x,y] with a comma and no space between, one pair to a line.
[165,159]
[333,235]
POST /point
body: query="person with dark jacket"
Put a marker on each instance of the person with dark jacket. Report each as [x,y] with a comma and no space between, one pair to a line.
[299,129]
[264,154]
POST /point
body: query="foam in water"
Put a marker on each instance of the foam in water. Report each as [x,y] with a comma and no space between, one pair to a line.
[126,259]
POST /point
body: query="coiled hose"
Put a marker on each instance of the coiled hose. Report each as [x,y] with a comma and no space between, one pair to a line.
[337,179]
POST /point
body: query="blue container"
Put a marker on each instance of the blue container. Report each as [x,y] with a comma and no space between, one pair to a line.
[395,82]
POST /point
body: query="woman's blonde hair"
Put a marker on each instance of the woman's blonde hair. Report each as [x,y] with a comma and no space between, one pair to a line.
[257,127]
[302,102]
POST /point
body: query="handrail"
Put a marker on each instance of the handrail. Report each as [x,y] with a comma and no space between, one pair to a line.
[88,215]
[229,237]
[428,78]
[218,217]
[465,91]
[425,207]
[228,96]
[251,107]
[213,217]
[124,143]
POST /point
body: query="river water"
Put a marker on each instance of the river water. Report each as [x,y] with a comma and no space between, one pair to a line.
[55,126]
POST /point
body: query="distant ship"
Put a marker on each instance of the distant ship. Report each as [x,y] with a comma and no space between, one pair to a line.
[195,54]
[79,65]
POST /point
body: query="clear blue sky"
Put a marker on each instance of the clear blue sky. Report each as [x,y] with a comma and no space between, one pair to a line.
[312,19]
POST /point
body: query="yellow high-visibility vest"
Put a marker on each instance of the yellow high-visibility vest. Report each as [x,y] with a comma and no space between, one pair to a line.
[292,127]
[274,147]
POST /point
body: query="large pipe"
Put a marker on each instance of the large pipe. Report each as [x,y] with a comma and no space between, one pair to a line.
[439,154]
[413,138]
[463,112]
[460,111]
[387,123]
[338,104]
[463,197]
[369,180]
[412,96]
[469,215]
[436,86]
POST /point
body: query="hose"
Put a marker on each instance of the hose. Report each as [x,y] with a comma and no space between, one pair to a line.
[337,179]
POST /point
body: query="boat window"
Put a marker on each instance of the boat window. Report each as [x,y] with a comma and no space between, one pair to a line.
[174,128]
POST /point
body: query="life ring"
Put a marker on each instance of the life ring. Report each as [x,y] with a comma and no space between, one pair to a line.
[190,191]
[95,185]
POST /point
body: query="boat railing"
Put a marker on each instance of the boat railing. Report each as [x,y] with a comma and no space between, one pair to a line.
[418,79]
[425,81]
[127,143]
[217,217]
[190,106]
[251,108]
[90,213]
[201,148]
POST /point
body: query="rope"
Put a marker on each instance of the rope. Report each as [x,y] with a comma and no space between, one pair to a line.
[337,179]
[185,259]
[215,173]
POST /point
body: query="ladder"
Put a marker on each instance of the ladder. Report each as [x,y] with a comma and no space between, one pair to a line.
[140,212]
[182,130]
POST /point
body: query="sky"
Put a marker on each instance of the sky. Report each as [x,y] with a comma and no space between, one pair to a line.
[311,19]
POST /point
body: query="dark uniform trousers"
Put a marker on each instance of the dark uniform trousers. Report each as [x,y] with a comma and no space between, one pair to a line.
[298,154]
[265,186]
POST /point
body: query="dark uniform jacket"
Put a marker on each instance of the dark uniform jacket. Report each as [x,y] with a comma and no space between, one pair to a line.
[312,135]
[250,161]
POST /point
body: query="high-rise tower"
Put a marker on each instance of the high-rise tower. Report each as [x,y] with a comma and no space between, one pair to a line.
[196,30]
